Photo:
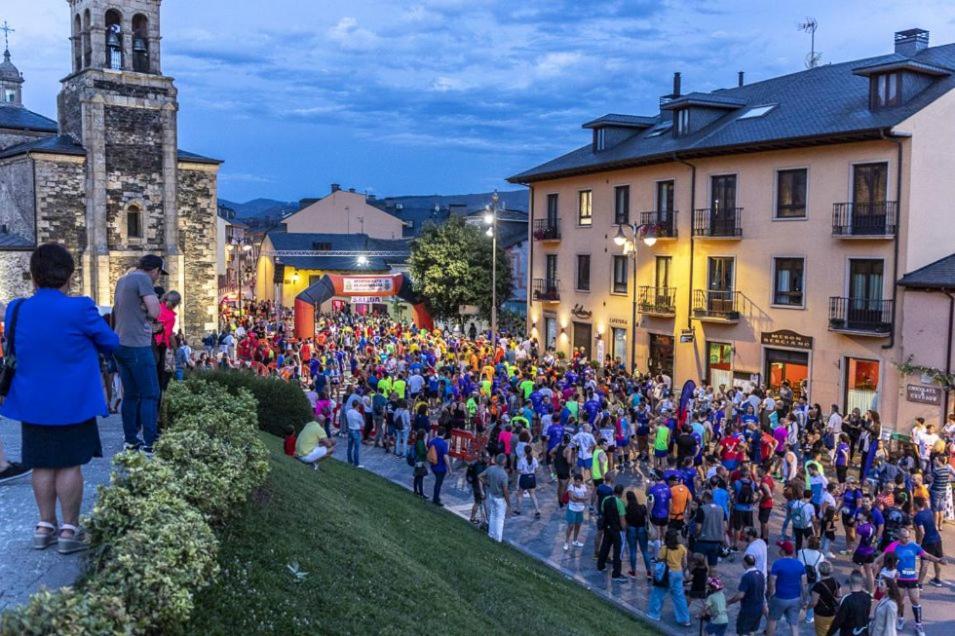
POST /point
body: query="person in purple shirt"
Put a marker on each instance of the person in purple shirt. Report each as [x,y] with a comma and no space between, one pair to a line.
[658,498]
[842,458]
[442,466]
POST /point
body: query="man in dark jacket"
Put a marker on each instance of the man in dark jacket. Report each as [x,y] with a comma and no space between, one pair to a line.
[853,612]
[612,513]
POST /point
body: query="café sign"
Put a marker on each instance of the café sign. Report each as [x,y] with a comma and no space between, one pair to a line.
[786,338]
[921,394]
[579,312]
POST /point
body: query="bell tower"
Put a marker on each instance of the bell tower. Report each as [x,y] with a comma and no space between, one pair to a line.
[120,107]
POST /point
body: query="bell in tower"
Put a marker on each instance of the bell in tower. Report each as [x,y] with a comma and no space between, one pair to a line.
[114,40]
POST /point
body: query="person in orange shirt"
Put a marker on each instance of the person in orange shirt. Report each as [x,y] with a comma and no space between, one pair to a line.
[679,501]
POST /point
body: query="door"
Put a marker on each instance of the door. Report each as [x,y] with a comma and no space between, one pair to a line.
[665,207]
[723,205]
[861,385]
[583,336]
[662,281]
[719,364]
[791,367]
[719,297]
[551,211]
[869,193]
[661,355]
[550,280]
[865,293]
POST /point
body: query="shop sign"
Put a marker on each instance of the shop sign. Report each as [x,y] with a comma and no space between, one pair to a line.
[686,336]
[579,312]
[368,285]
[366,300]
[786,338]
[468,310]
[923,394]
[620,322]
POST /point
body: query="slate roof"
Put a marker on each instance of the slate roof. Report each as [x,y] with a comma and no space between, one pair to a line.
[64,145]
[192,157]
[9,241]
[825,104]
[938,275]
[623,121]
[19,118]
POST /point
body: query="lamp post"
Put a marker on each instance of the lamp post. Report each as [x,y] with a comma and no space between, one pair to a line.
[636,231]
[490,218]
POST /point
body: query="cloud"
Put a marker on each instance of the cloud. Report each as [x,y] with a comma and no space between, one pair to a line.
[350,36]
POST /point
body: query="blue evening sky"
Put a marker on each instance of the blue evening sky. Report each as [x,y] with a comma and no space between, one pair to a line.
[446,96]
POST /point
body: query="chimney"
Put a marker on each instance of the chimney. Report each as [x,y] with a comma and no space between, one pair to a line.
[739,81]
[336,187]
[911,41]
[676,85]
[371,197]
[352,190]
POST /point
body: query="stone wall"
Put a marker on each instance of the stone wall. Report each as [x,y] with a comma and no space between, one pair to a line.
[118,265]
[16,197]
[15,279]
[61,207]
[196,202]
[10,137]
[134,175]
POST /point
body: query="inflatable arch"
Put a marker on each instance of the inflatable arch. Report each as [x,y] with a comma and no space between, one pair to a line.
[348,286]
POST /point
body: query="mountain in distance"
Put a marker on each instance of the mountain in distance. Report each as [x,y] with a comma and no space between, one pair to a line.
[260,208]
[512,200]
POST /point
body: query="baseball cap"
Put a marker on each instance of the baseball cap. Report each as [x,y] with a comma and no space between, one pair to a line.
[714,583]
[151,261]
[786,546]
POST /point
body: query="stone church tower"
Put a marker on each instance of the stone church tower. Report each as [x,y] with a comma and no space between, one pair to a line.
[118,186]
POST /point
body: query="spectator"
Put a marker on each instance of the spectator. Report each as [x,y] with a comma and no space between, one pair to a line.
[612,513]
[164,339]
[495,479]
[887,611]
[673,553]
[355,421]
[440,463]
[785,587]
[57,391]
[852,617]
[751,598]
[313,444]
[824,599]
[135,307]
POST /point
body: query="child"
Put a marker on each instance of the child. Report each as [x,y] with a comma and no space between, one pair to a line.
[714,611]
[290,439]
[699,573]
[472,475]
[889,571]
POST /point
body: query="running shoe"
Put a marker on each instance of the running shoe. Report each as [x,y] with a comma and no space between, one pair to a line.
[566,547]
[936,583]
[579,544]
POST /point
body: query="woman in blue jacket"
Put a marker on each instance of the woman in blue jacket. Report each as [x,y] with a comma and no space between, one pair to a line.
[57,391]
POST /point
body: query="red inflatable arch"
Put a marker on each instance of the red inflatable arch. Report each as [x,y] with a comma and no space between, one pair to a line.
[349,286]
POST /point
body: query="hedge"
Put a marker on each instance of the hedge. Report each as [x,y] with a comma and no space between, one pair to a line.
[152,529]
[280,403]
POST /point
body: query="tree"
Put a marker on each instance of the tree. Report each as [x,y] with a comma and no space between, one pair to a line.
[451,266]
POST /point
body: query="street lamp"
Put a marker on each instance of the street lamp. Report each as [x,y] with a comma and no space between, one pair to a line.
[646,232]
[362,260]
[490,218]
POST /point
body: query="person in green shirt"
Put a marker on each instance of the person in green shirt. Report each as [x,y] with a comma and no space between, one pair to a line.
[527,386]
[573,407]
[384,386]
[661,444]
[399,386]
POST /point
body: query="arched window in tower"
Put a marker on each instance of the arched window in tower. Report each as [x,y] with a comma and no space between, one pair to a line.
[134,223]
[87,42]
[114,40]
[77,43]
[140,43]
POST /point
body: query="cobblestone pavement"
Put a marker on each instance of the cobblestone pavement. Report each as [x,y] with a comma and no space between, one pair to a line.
[23,570]
[543,539]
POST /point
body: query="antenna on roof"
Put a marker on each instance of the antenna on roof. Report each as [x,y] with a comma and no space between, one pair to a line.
[809,26]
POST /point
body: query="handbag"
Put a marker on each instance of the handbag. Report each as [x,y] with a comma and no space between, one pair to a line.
[9,367]
[661,572]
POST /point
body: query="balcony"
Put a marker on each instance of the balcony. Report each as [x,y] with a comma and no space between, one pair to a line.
[861,316]
[547,290]
[718,223]
[865,220]
[547,230]
[663,223]
[657,301]
[716,306]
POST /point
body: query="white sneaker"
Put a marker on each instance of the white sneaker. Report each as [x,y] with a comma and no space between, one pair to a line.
[900,624]
[566,547]
[919,631]
[579,544]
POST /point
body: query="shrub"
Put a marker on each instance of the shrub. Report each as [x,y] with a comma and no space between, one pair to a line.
[68,612]
[280,403]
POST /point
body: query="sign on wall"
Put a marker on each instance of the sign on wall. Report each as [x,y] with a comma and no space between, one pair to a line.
[367,285]
[366,300]
[921,394]
[786,338]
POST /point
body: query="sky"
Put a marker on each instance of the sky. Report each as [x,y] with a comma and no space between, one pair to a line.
[446,96]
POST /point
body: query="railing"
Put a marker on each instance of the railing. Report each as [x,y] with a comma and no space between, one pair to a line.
[718,222]
[657,300]
[663,222]
[860,314]
[865,219]
[547,229]
[546,289]
[721,305]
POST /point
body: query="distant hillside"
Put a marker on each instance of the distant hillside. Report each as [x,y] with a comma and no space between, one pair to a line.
[260,208]
[513,200]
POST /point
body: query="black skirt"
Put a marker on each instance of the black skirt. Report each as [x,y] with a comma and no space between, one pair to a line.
[54,447]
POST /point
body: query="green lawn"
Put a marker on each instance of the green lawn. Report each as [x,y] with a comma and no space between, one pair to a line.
[380,562]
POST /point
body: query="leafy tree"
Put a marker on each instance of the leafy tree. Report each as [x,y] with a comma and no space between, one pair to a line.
[451,266]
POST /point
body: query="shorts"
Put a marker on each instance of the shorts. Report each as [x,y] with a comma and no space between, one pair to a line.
[938,501]
[660,453]
[748,623]
[764,514]
[848,521]
[622,443]
[935,549]
[907,584]
[574,517]
[715,629]
[527,482]
[788,607]
[740,519]
[317,453]
[863,559]
[730,464]
[661,522]
[710,549]
[586,464]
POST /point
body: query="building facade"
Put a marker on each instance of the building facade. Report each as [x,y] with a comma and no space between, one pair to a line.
[107,179]
[764,230]
[344,212]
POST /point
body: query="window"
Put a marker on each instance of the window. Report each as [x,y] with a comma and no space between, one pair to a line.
[11,96]
[757,111]
[659,130]
[621,205]
[134,223]
[719,363]
[619,285]
[788,281]
[662,272]
[665,196]
[550,332]
[791,194]
[583,272]
[619,337]
[585,211]
[551,272]
[551,209]
[600,139]
[886,90]
[682,121]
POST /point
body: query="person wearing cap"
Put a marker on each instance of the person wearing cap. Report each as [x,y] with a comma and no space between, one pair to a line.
[714,608]
[135,308]
[785,589]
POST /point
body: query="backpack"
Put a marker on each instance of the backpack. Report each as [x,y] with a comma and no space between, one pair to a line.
[798,516]
[811,574]
[433,455]
[746,495]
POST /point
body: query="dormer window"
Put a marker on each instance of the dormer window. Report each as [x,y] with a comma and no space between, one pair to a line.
[886,90]
[682,126]
[600,139]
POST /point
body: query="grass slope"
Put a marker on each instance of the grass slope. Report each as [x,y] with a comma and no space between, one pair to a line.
[380,562]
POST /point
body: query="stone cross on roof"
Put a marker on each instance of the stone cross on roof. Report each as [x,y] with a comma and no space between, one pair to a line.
[5,27]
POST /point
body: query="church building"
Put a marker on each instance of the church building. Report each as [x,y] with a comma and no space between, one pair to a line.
[107,179]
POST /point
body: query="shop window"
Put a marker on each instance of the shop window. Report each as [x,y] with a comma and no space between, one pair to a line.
[719,360]
[862,385]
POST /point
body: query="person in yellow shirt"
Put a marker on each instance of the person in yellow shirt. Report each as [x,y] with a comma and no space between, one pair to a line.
[313,444]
